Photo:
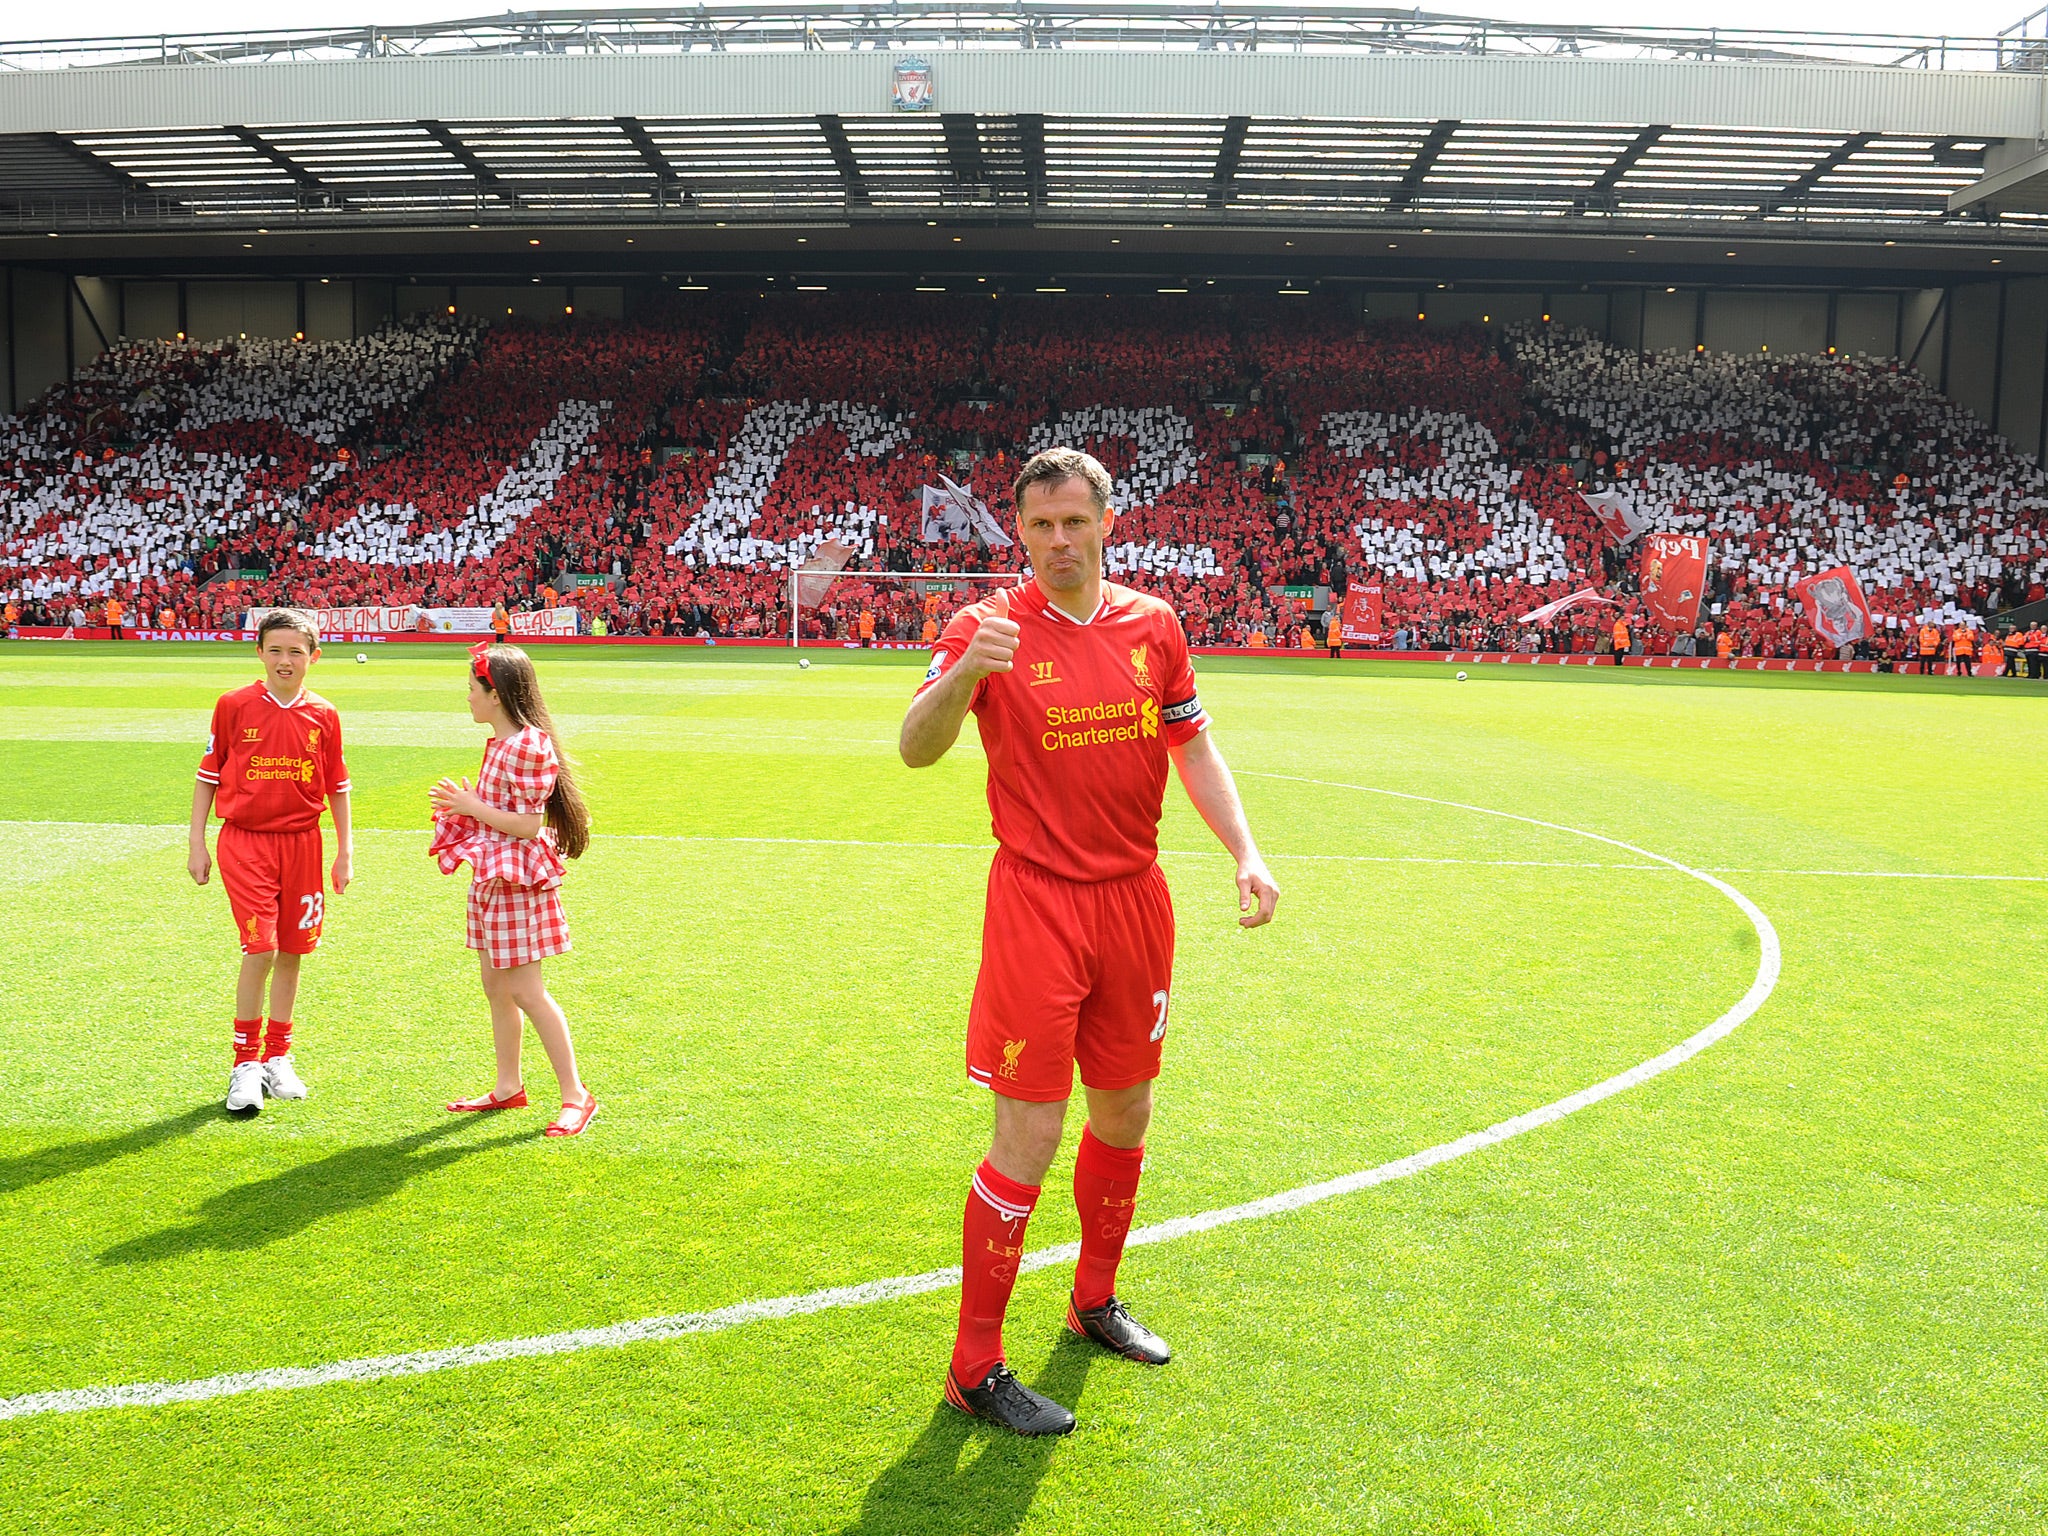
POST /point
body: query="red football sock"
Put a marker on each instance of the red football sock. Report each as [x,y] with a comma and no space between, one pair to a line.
[277,1037]
[248,1040]
[992,1240]
[1106,1195]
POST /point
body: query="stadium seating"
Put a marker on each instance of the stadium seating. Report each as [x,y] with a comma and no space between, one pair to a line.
[1797,464]
[692,455]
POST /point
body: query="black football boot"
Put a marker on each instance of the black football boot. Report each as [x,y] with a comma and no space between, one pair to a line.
[1111,1326]
[1003,1400]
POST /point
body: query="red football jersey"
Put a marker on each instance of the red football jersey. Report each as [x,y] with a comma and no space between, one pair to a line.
[1077,731]
[275,764]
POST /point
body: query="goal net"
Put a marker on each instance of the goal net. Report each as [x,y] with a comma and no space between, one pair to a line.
[892,609]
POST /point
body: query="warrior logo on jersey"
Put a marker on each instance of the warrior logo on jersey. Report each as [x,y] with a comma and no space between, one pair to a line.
[249,733]
[1041,672]
[1140,673]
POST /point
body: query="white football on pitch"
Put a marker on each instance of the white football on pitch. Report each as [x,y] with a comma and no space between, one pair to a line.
[804,662]
[1461,677]
[362,660]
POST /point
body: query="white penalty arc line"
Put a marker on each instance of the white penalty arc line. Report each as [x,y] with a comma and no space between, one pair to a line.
[158,1394]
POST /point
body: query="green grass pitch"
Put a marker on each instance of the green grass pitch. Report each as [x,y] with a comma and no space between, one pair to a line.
[1795,1285]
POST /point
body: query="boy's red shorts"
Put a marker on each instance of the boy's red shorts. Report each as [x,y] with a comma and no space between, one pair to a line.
[1071,971]
[274,887]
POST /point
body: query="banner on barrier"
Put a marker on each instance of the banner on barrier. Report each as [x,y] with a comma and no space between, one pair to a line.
[456,621]
[207,634]
[548,621]
[366,620]
[337,623]
[1362,618]
[237,636]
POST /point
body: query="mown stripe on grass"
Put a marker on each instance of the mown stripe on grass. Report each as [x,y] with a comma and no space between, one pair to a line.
[160,1394]
[177,829]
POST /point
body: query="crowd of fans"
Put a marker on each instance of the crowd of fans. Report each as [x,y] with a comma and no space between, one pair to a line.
[1266,458]
[163,462]
[1792,465]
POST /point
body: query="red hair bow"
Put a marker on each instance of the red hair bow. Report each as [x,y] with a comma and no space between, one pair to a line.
[480,662]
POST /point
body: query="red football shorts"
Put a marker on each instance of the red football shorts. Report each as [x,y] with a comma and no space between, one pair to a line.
[274,887]
[1071,971]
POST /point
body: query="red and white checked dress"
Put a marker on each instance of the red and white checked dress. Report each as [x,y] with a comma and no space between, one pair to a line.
[515,913]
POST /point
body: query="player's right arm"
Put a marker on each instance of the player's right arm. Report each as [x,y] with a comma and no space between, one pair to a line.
[197,861]
[932,724]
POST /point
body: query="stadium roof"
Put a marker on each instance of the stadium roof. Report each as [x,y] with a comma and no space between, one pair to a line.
[1027,25]
[1234,119]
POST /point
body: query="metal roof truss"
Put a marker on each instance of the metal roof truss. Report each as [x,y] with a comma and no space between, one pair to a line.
[1239,170]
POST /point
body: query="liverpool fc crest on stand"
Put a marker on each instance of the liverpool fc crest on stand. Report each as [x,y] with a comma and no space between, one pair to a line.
[912,90]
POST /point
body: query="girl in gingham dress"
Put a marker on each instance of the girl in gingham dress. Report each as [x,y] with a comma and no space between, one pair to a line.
[513,830]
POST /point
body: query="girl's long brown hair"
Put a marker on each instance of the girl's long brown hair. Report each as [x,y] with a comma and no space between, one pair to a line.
[518,689]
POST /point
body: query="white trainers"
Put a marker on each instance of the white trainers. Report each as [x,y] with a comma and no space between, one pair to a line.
[245,1088]
[280,1081]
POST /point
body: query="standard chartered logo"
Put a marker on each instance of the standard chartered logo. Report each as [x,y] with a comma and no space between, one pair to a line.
[298,769]
[1097,725]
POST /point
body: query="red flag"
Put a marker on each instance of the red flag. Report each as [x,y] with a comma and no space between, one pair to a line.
[816,575]
[1617,512]
[1674,575]
[1834,606]
[1361,618]
[1550,611]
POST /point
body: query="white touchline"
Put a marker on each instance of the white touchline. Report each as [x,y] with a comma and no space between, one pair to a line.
[157,1394]
[1171,853]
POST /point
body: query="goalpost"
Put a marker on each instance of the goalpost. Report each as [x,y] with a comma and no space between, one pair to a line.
[808,587]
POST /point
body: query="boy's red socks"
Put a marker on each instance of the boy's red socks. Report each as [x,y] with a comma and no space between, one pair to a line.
[992,1241]
[1106,1195]
[248,1040]
[277,1037]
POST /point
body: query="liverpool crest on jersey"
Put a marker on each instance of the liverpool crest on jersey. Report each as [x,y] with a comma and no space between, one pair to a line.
[1141,672]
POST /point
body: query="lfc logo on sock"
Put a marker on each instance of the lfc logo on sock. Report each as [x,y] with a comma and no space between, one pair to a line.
[1006,1269]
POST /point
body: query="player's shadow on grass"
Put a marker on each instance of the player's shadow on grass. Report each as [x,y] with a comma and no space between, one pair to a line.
[60,1162]
[268,1210]
[931,1490]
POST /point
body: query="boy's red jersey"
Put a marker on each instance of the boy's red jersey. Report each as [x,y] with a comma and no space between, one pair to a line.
[275,764]
[1077,731]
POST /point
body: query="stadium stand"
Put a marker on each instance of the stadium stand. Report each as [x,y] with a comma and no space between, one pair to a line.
[687,457]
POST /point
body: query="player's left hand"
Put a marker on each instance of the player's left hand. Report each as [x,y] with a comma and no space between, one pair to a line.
[1255,885]
[455,797]
[344,871]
